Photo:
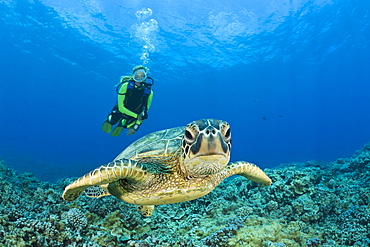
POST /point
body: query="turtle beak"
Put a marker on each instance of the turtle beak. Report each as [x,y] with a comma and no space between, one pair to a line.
[210,142]
[207,145]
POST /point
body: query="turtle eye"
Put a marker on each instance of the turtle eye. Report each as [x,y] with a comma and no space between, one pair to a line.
[189,136]
[227,133]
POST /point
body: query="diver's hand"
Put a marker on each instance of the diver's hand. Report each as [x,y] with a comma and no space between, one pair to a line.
[144,115]
[130,132]
[140,117]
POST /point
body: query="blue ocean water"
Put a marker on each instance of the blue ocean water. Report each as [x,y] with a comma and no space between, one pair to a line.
[291,77]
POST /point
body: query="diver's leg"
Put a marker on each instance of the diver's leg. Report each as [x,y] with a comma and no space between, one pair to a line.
[112,119]
[118,129]
[107,126]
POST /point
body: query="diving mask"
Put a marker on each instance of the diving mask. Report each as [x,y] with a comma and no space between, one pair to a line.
[140,75]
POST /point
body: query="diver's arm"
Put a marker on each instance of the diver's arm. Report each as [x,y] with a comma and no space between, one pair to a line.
[150,98]
[139,120]
[121,102]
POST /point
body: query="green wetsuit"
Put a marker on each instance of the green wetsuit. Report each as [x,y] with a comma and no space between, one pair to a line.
[131,102]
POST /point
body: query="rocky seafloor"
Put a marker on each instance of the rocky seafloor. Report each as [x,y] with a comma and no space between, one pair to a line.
[309,204]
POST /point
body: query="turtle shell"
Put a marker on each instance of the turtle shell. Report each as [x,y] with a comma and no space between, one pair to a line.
[157,145]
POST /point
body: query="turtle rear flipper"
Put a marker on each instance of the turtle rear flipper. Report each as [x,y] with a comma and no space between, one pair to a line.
[146,210]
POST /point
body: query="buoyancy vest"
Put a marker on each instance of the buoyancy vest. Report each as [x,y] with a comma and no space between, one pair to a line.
[136,98]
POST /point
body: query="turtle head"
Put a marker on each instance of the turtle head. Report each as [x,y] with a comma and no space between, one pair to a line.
[206,147]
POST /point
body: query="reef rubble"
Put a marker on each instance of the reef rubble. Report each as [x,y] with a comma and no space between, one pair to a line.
[308,204]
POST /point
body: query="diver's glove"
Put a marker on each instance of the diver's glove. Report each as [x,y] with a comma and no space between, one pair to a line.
[144,115]
[130,132]
[133,129]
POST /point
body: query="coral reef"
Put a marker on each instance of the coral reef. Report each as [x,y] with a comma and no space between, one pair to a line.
[308,204]
[76,218]
[221,237]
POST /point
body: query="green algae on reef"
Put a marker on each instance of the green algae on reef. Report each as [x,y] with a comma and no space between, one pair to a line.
[308,204]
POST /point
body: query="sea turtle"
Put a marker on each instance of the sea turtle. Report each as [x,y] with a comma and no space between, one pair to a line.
[168,166]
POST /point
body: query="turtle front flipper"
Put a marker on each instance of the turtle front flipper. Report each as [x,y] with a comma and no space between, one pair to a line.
[97,191]
[113,171]
[250,171]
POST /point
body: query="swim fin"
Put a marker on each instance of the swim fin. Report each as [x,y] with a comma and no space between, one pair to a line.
[106,127]
[117,131]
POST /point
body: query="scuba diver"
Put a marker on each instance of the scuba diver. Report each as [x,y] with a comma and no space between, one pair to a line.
[134,99]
